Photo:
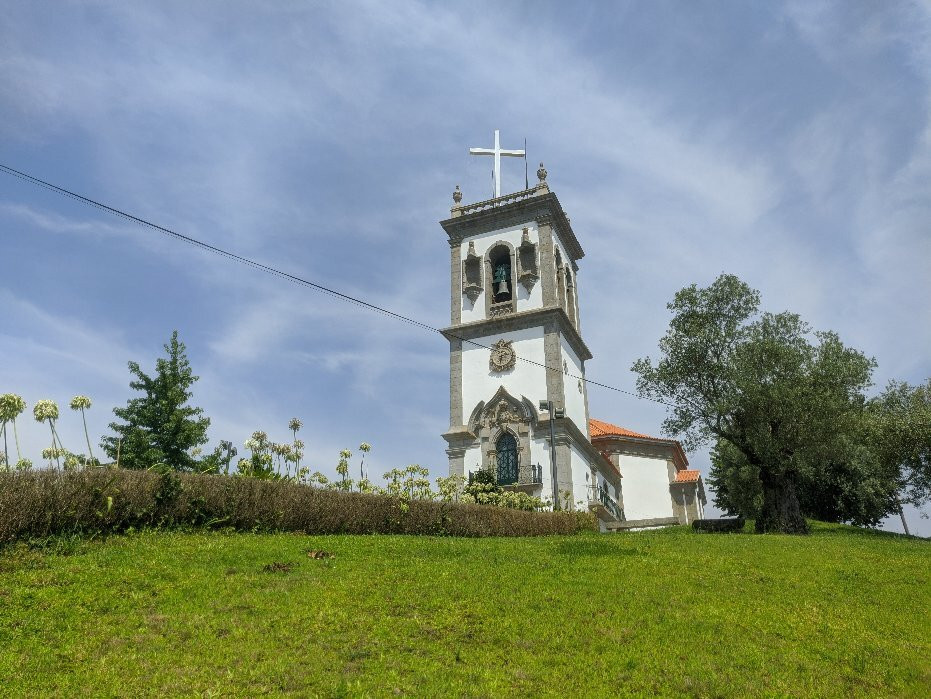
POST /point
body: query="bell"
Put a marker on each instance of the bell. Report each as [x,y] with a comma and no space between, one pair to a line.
[502,288]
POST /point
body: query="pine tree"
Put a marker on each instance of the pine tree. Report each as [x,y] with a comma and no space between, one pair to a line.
[159,427]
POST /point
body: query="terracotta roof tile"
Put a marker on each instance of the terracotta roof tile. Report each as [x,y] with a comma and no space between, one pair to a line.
[597,428]
[687,476]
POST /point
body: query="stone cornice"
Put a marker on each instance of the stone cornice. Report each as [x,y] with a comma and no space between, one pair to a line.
[522,321]
[541,207]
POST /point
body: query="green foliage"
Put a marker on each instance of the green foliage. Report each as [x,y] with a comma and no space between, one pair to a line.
[219,460]
[842,613]
[901,433]
[159,426]
[784,405]
[483,489]
[849,486]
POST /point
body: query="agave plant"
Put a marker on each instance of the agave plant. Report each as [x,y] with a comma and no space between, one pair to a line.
[83,403]
[47,411]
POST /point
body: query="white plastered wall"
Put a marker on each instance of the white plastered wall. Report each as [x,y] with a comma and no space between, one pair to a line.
[646,487]
[580,484]
[480,383]
[575,399]
[514,235]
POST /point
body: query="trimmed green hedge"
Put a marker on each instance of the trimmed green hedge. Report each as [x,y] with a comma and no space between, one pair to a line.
[45,503]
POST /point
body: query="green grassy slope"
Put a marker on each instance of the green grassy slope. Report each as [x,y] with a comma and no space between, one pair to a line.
[840,613]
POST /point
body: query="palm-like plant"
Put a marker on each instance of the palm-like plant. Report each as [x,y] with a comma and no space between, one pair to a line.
[47,411]
[342,468]
[294,425]
[83,403]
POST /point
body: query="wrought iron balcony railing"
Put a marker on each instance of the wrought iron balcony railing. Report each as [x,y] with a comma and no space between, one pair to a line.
[600,496]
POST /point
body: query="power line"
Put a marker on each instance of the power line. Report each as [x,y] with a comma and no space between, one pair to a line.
[284,275]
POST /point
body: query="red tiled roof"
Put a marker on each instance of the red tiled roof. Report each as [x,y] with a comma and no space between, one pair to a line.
[597,428]
[687,476]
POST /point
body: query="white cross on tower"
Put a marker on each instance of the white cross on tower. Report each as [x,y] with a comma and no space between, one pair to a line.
[497,152]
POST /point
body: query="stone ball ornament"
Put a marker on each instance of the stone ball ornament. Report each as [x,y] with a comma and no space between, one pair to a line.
[503,357]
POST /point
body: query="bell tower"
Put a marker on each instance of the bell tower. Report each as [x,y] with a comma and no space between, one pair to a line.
[515,342]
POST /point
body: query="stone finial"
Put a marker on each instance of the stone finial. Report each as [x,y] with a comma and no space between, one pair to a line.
[457,195]
[542,187]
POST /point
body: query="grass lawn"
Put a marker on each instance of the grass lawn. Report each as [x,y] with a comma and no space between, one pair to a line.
[844,612]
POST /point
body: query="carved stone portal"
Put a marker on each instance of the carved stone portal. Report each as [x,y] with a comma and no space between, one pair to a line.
[503,357]
[504,413]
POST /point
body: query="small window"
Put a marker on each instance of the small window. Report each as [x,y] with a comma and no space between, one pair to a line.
[507,459]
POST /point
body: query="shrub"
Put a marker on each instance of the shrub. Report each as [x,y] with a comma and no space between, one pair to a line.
[722,526]
[35,504]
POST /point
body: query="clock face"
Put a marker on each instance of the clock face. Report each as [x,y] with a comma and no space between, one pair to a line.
[502,356]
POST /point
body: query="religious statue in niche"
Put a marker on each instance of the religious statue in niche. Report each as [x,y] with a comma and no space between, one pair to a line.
[502,357]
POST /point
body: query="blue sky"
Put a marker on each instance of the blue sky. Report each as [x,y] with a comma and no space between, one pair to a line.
[789,144]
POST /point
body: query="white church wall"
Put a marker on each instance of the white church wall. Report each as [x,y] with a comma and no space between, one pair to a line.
[479,383]
[601,481]
[540,455]
[513,234]
[580,484]
[646,487]
[575,398]
[473,460]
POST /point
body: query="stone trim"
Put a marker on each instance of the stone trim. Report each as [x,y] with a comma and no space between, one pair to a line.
[547,263]
[643,523]
[522,321]
[456,281]
[455,383]
[552,356]
[516,213]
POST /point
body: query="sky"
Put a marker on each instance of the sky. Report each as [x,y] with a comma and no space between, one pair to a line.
[786,143]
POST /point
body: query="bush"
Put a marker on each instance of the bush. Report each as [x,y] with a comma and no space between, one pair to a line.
[720,526]
[35,504]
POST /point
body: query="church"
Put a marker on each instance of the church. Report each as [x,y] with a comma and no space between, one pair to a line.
[518,399]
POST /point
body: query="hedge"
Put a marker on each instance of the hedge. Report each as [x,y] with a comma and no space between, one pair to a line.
[41,503]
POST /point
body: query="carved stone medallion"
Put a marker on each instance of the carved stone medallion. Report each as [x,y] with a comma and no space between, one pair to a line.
[502,356]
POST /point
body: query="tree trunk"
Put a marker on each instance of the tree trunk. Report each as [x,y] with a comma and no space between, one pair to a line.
[780,513]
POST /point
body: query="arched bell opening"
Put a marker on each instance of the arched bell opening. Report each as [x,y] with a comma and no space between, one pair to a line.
[502,275]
